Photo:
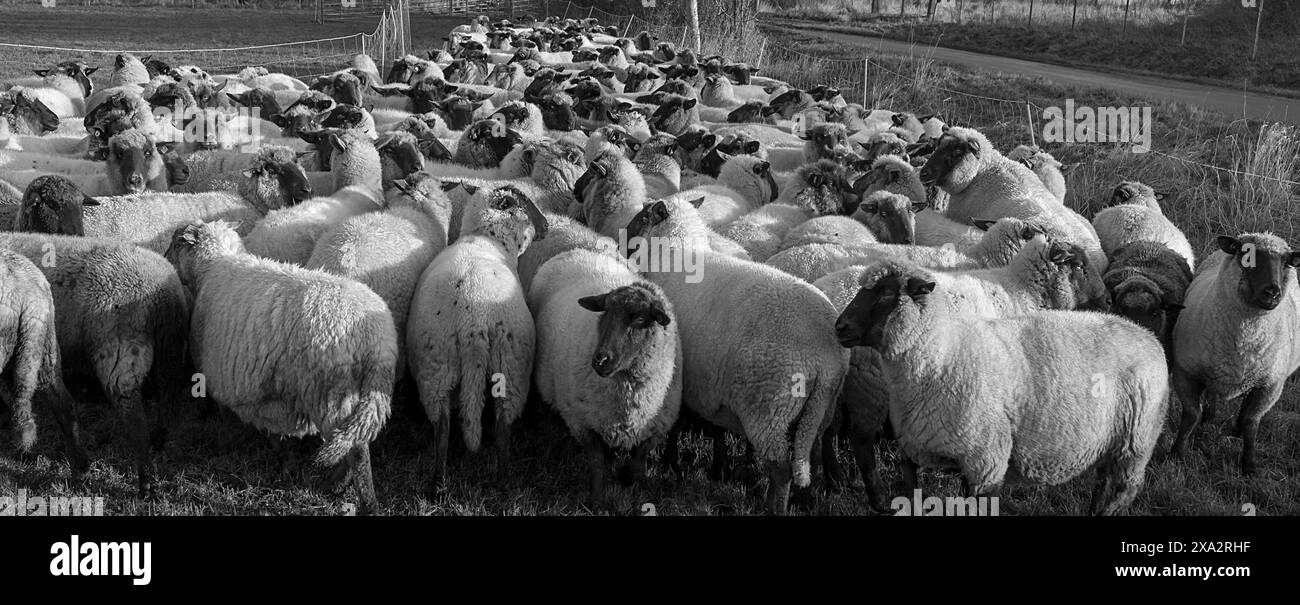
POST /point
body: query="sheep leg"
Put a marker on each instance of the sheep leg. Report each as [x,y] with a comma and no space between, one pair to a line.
[830,460]
[779,475]
[720,468]
[503,434]
[634,470]
[671,454]
[864,452]
[1126,476]
[20,402]
[1253,407]
[133,412]
[595,448]
[1191,393]
[908,469]
[441,435]
[60,401]
[363,479]
[1105,471]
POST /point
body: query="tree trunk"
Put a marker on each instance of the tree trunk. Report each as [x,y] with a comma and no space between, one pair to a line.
[693,23]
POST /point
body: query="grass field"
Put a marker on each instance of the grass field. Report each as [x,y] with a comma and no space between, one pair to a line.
[1217,48]
[215,464]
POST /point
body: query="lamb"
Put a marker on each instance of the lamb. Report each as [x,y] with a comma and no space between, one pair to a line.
[1043,165]
[1148,282]
[608,358]
[813,190]
[1236,335]
[122,314]
[776,389]
[30,360]
[959,395]
[145,220]
[999,245]
[289,234]
[470,330]
[388,251]
[1124,224]
[290,351]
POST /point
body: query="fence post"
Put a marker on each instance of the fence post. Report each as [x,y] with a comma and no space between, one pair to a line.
[1126,3]
[1031,14]
[866,74]
[628,29]
[761,50]
[1255,49]
[566,10]
[961,5]
[1187,8]
[902,7]
[1074,14]
[1029,112]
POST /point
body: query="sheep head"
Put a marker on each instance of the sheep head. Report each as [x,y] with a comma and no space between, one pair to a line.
[277,178]
[632,319]
[890,216]
[957,160]
[53,204]
[399,155]
[135,162]
[506,215]
[1263,267]
[818,188]
[194,245]
[890,298]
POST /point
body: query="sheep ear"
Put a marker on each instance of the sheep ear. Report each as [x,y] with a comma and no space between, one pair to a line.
[593,303]
[752,147]
[659,316]
[898,119]
[871,208]
[402,185]
[697,202]
[973,146]
[336,142]
[470,189]
[89,201]
[1172,306]
[449,185]
[1229,244]
[248,173]
[1060,255]
[1294,260]
[688,103]
[165,147]
[917,207]
[983,224]
[91,70]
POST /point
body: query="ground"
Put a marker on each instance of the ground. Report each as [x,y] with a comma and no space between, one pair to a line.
[214,464]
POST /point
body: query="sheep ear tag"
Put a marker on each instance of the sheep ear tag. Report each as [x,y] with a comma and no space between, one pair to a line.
[798,128]
[89,201]
[919,287]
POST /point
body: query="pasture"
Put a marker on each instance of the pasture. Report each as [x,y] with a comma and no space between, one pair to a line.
[214,464]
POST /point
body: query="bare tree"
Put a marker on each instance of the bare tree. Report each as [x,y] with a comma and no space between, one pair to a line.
[693,22]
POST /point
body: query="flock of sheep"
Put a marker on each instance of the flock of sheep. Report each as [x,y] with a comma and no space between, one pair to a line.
[652,240]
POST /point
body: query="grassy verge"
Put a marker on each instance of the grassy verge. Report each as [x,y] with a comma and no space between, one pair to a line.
[1151,51]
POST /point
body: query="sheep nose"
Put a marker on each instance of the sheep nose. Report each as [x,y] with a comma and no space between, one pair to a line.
[302,193]
[1271,291]
[603,364]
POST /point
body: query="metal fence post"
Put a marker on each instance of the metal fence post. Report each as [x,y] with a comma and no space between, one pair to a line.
[1031,14]
[1074,14]
[1187,9]
[1260,18]
[1126,3]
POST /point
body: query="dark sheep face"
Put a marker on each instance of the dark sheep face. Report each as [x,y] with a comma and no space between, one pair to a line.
[1140,300]
[135,161]
[404,153]
[790,102]
[673,115]
[895,215]
[286,179]
[651,214]
[53,204]
[829,139]
[863,322]
[459,111]
[631,318]
[401,71]
[1265,274]
[949,155]
[344,116]
[752,112]
[557,113]
[27,115]
[1090,291]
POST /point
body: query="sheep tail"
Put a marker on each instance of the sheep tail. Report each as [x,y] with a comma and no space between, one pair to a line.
[473,388]
[368,417]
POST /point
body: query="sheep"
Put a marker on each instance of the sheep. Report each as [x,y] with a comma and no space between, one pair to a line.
[1148,282]
[524,118]
[399,157]
[268,180]
[999,245]
[777,388]
[1124,224]
[813,190]
[59,92]
[608,358]
[717,92]
[890,217]
[658,166]
[959,395]
[135,163]
[1235,336]
[122,315]
[127,70]
[745,183]
[485,143]
[1138,193]
[1043,165]
[291,351]
[289,234]
[22,113]
[892,173]
[388,251]
[840,230]
[982,183]
[46,209]
[145,220]
[30,360]
[470,330]
[610,193]
[825,141]
[562,234]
